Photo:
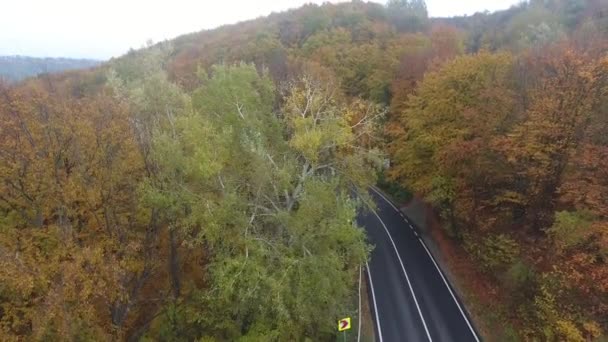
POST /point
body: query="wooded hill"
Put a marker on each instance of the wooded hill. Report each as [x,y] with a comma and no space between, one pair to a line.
[200,188]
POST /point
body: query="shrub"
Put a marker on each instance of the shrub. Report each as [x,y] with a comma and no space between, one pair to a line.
[570,228]
[519,275]
[567,331]
[495,252]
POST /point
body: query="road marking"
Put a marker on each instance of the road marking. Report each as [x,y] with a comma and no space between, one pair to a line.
[359,310]
[441,274]
[378,192]
[450,289]
[392,205]
[371,285]
[407,278]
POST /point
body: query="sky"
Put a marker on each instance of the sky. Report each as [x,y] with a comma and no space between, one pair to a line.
[101,29]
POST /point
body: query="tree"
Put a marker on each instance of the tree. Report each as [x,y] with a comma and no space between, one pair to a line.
[567,91]
[72,231]
[443,150]
[408,15]
[422,54]
[256,188]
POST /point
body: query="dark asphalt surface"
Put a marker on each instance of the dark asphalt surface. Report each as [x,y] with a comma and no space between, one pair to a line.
[422,309]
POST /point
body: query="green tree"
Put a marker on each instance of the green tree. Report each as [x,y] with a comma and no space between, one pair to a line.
[408,15]
[267,194]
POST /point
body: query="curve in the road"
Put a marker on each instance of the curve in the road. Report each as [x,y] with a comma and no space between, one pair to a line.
[448,286]
[413,305]
[407,278]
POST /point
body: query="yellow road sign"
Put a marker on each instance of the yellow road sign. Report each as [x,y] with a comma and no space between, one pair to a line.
[344,324]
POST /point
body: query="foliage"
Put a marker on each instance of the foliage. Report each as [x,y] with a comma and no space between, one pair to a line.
[397,191]
[408,15]
[495,253]
[446,129]
[69,175]
[530,24]
[570,229]
[267,194]
[509,150]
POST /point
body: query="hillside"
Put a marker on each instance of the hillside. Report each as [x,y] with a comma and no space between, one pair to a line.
[17,68]
[199,188]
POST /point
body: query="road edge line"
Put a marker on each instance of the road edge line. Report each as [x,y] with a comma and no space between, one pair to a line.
[359,310]
[407,278]
[466,318]
[371,286]
[450,289]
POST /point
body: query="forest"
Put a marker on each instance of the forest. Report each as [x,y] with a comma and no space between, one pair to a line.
[201,188]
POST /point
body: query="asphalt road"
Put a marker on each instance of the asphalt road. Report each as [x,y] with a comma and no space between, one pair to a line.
[410,298]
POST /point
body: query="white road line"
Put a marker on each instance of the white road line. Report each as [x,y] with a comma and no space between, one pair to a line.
[450,289]
[389,202]
[392,205]
[407,278]
[359,310]
[441,274]
[371,285]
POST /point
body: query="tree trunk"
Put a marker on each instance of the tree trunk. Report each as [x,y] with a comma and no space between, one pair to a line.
[174,265]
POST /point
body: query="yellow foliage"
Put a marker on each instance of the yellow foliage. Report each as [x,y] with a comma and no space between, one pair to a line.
[592,329]
[568,332]
[68,180]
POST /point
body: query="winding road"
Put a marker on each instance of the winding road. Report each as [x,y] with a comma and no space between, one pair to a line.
[410,298]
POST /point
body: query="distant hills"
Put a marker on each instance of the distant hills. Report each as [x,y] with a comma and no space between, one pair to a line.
[16,68]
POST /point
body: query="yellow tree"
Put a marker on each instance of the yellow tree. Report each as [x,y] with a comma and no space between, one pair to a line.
[443,150]
[567,88]
[72,235]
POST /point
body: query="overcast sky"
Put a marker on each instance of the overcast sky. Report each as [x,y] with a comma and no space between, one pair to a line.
[104,28]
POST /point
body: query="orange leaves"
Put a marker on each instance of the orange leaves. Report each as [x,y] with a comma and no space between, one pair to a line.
[447,42]
[56,149]
[581,272]
[562,97]
[586,183]
[69,170]
[520,147]
[455,112]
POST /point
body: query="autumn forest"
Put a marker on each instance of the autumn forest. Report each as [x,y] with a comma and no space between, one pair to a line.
[202,188]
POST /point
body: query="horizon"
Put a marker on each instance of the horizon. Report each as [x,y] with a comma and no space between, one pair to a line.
[41,35]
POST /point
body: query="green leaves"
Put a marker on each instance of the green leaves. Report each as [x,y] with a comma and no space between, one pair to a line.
[571,228]
[408,15]
[265,193]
